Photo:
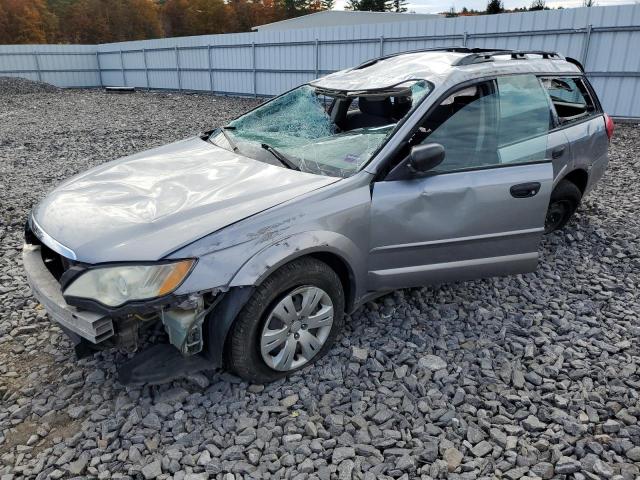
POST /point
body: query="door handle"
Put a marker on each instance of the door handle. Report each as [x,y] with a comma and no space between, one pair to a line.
[525,190]
[557,152]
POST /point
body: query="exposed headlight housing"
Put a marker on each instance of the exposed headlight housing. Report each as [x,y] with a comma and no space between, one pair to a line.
[116,285]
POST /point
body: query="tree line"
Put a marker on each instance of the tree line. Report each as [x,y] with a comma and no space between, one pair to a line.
[103,21]
[497,6]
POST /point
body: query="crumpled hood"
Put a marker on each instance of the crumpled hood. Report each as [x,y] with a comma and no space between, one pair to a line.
[145,206]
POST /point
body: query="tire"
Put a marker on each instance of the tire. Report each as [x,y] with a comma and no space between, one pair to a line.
[248,334]
[564,201]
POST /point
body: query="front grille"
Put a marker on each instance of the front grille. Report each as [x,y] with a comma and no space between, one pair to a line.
[55,263]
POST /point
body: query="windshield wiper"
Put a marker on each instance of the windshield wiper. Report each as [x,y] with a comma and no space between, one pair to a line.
[232,144]
[281,157]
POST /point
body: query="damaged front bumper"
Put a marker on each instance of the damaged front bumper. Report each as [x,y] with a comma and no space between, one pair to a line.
[182,319]
[94,327]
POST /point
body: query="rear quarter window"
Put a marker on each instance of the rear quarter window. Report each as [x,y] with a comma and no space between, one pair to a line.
[570,98]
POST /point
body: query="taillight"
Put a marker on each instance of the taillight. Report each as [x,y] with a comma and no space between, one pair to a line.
[608,123]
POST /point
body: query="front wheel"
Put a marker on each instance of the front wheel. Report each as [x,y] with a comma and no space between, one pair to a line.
[564,201]
[291,320]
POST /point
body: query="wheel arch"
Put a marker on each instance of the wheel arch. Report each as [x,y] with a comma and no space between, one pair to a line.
[336,250]
[220,320]
[579,177]
[344,272]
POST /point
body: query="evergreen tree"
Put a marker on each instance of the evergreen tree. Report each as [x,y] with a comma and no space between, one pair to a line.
[370,5]
[494,6]
[399,6]
[295,8]
[538,5]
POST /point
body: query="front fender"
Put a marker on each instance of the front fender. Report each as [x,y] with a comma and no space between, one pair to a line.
[269,259]
[333,220]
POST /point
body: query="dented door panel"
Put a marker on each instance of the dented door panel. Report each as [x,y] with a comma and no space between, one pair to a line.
[456,226]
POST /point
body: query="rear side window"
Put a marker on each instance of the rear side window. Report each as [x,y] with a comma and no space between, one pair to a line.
[570,98]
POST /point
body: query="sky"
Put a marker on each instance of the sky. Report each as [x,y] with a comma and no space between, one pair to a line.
[434,6]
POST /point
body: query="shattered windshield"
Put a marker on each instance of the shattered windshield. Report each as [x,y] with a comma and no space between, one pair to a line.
[321,132]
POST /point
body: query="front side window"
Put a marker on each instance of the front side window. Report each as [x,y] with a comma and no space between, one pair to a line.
[492,123]
[328,133]
[570,98]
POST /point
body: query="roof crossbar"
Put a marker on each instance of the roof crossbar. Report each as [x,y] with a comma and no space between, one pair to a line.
[487,56]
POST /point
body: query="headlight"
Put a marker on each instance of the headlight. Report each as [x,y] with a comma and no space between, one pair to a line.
[114,286]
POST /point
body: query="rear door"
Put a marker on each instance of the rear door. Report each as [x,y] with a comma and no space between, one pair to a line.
[481,212]
[580,119]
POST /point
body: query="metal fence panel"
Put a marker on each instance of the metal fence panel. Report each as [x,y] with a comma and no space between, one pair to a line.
[605,39]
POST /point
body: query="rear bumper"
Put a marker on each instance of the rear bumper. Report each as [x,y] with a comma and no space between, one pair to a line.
[92,326]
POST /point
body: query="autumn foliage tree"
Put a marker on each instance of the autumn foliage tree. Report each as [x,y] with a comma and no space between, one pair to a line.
[102,21]
[98,21]
[26,21]
[195,17]
[246,14]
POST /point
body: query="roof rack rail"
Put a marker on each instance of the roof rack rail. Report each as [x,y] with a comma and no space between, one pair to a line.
[575,62]
[454,48]
[475,55]
[486,55]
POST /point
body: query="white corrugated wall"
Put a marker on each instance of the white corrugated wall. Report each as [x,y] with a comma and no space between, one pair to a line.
[606,39]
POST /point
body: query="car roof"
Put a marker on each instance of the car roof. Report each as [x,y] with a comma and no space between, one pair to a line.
[443,67]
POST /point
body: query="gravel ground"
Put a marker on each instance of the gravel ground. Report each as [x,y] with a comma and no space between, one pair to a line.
[18,86]
[529,376]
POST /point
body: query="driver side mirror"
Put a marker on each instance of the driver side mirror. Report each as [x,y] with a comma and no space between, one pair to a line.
[425,157]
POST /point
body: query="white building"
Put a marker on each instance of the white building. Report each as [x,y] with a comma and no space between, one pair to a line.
[332,18]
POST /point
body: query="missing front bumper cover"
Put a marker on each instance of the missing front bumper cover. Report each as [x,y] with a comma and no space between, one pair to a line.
[93,326]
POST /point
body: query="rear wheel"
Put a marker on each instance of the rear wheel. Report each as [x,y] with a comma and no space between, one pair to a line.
[564,201]
[291,320]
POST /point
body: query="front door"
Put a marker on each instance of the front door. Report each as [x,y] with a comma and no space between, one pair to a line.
[481,211]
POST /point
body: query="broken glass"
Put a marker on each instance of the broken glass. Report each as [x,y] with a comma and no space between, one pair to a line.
[299,126]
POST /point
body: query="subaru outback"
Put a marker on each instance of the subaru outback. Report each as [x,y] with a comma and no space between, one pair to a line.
[248,244]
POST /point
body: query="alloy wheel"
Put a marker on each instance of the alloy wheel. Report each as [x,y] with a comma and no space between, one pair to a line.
[296,328]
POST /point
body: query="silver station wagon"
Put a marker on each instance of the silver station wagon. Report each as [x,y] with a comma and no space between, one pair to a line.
[248,244]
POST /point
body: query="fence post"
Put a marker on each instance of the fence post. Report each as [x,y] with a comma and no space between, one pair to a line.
[210,70]
[35,57]
[146,70]
[317,52]
[178,68]
[464,39]
[253,67]
[124,78]
[585,46]
[99,68]
[381,45]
